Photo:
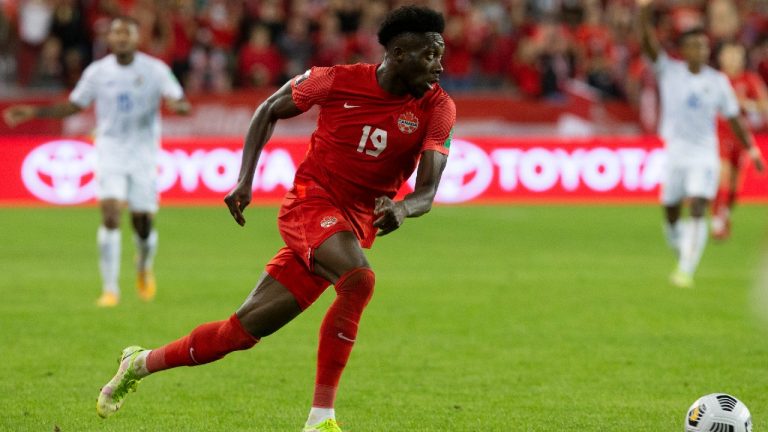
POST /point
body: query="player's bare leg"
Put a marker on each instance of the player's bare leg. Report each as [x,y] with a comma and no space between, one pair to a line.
[266,309]
[341,261]
[108,238]
[145,237]
[721,208]
[673,226]
[692,243]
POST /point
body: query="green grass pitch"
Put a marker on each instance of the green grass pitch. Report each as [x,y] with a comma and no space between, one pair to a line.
[534,318]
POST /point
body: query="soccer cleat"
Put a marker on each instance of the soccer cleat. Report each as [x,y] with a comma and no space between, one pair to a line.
[114,392]
[328,425]
[146,285]
[108,299]
[681,279]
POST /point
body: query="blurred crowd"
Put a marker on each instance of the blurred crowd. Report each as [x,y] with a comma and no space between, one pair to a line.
[536,48]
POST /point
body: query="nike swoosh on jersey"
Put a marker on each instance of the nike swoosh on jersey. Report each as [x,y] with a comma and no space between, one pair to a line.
[347,105]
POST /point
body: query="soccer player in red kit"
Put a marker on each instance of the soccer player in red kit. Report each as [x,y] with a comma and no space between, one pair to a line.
[753,98]
[376,124]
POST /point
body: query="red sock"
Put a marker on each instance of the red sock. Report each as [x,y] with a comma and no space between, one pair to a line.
[338,332]
[206,343]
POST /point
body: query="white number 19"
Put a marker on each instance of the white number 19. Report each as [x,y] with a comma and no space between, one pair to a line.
[378,139]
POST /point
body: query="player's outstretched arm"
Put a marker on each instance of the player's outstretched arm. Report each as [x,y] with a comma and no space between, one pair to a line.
[278,106]
[747,141]
[648,39]
[17,114]
[391,214]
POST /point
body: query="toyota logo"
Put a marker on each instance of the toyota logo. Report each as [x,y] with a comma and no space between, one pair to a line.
[60,172]
[467,174]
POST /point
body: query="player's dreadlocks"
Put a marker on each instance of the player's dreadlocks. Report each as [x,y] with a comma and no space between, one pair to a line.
[410,19]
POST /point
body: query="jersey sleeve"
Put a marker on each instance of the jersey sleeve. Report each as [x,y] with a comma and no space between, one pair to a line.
[312,87]
[86,88]
[169,85]
[729,104]
[440,128]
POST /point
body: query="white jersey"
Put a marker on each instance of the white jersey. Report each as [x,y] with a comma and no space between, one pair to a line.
[689,107]
[127,99]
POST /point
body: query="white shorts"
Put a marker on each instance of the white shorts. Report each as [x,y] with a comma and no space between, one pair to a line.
[138,188]
[689,181]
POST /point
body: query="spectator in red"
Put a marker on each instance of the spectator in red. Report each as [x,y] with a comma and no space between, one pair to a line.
[184,27]
[759,56]
[259,62]
[70,28]
[212,55]
[458,63]
[524,69]
[159,41]
[329,44]
[494,55]
[556,58]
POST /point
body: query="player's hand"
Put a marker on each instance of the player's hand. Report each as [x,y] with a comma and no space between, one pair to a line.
[180,106]
[643,3]
[18,114]
[237,200]
[757,158]
[390,214]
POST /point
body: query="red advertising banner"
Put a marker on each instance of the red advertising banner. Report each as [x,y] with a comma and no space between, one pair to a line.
[53,171]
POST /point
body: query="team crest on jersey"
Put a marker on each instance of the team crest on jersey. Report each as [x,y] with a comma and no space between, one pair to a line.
[408,122]
[328,222]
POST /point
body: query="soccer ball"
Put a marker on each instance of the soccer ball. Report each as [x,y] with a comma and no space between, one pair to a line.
[718,412]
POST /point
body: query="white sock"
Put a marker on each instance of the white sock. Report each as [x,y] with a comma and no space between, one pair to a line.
[146,248]
[109,258]
[692,242]
[317,415]
[140,364]
[672,233]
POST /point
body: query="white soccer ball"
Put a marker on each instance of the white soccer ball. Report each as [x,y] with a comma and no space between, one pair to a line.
[718,412]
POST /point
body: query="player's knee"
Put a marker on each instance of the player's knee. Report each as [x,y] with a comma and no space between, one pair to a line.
[142,224]
[699,207]
[111,221]
[357,284]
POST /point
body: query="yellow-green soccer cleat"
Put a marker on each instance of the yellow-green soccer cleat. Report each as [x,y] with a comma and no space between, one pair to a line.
[681,279]
[114,392]
[328,425]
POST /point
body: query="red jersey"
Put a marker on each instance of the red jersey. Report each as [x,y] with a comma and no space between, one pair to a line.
[747,86]
[367,141]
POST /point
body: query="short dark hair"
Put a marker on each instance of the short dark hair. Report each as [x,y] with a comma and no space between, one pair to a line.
[695,31]
[410,19]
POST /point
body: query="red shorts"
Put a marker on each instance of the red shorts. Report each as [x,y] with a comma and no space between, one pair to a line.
[307,218]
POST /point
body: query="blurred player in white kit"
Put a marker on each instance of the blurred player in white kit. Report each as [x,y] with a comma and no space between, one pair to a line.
[692,95]
[127,88]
